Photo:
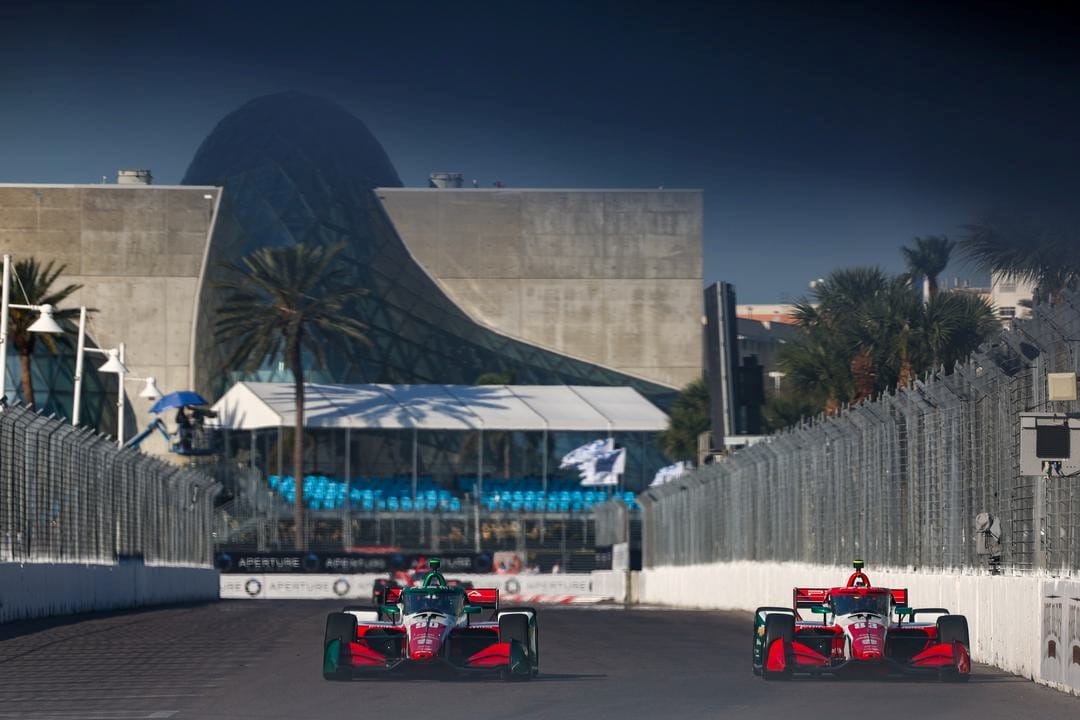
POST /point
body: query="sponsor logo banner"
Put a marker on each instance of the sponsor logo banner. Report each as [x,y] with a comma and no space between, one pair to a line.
[262,563]
[300,586]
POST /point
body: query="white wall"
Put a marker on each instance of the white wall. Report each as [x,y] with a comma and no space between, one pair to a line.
[42,589]
[1012,619]
[512,588]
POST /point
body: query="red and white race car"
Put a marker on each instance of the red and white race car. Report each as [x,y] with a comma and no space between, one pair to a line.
[436,624]
[862,628]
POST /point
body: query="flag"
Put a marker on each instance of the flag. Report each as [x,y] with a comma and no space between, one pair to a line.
[670,472]
[604,469]
[585,453]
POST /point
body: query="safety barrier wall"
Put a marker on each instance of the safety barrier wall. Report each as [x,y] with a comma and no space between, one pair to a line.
[557,588]
[1026,624]
[34,590]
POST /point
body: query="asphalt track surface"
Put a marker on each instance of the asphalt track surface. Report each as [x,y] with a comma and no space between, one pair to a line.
[242,660]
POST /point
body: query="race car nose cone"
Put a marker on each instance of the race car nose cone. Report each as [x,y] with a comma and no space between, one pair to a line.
[865,653]
[422,655]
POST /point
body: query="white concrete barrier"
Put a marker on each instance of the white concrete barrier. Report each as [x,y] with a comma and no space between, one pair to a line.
[34,590]
[562,588]
[1028,625]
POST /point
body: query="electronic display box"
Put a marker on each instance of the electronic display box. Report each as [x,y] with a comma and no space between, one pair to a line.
[1049,444]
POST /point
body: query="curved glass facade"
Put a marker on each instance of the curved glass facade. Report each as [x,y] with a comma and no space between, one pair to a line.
[53,379]
[301,169]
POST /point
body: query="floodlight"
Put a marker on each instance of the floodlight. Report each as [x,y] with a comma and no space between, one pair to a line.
[150,391]
[45,322]
[113,364]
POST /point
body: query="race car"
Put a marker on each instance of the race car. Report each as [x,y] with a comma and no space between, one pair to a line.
[863,629]
[435,625]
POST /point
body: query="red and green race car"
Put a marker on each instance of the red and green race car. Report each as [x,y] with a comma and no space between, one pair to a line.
[437,624]
[862,630]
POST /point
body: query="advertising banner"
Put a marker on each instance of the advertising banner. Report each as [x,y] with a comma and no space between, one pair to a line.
[244,562]
[358,588]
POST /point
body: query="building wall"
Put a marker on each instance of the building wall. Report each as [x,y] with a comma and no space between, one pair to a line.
[1006,294]
[137,250]
[610,277]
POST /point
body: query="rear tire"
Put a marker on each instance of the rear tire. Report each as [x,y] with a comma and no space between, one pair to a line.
[340,627]
[777,628]
[953,628]
[516,628]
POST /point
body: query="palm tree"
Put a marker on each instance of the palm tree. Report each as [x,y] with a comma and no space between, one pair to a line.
[928,259]
[1024,249]
[868,332]
[285,304]
[689,418]
[33,286]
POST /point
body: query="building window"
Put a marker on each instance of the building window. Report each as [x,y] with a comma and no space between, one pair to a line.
[1007,312]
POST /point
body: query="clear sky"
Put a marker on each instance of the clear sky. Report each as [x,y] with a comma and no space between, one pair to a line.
[822,136]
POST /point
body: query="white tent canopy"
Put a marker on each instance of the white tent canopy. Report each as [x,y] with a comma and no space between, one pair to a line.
[255,406]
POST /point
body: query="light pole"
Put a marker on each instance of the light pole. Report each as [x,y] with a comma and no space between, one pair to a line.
[114,364]
[44,324]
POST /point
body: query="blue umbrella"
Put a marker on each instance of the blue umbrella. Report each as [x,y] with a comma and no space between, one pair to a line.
[178,399]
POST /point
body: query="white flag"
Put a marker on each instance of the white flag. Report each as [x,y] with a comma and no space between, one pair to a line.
[605,468]
[585,453]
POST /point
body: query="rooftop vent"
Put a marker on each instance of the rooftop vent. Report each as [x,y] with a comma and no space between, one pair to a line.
[134,177]
[445,180]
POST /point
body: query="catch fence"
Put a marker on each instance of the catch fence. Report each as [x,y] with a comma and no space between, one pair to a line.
[68,494]
[898,481]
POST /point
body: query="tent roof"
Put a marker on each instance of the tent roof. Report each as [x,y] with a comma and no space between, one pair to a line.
[252,406]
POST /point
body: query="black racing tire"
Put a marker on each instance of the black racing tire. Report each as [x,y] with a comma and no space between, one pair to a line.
[777,627]
[516,627]
[953,628]
[339,626]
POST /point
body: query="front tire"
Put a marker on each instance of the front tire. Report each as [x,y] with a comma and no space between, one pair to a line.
[515,629]
[778,628]
[952,629]
[340,628]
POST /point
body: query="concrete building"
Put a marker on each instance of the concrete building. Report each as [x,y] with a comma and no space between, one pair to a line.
[612,277]
[575,287]
[138,252]
[774,313]
[1011,297]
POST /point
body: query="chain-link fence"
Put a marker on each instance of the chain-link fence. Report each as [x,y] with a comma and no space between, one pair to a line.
[899,481]
[70,495]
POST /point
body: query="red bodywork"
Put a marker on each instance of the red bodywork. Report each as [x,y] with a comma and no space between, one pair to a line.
[469,646]
[861,640]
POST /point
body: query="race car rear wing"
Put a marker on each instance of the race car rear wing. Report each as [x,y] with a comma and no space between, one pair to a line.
[802,598]
[810,597]
[487,598]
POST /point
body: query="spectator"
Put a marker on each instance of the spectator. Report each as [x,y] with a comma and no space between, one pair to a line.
[183,428]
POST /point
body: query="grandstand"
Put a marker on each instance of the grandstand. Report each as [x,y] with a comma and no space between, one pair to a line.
[395,494]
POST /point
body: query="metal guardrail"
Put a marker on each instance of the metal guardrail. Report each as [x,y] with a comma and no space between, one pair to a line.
[69,495]
[898,481]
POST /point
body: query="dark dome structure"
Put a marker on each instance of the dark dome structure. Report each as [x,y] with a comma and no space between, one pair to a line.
[296,168]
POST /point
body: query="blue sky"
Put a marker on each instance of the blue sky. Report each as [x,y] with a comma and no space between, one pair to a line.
[822,137]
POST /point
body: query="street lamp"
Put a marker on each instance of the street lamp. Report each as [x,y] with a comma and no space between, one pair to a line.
[44,324]
[114,364]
